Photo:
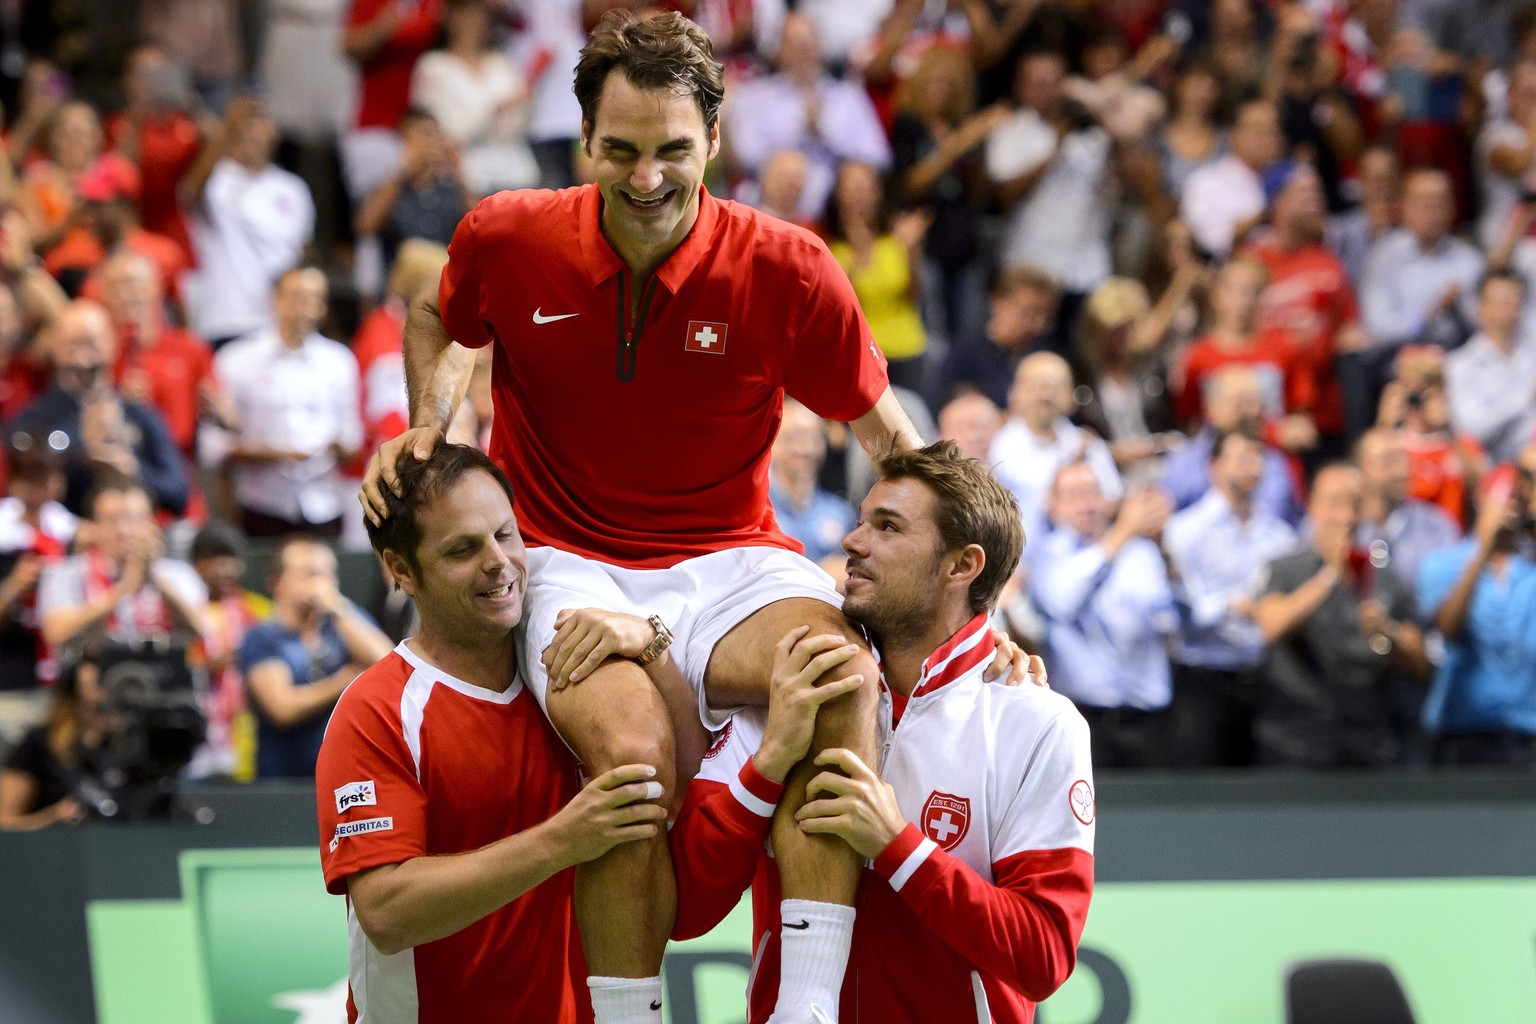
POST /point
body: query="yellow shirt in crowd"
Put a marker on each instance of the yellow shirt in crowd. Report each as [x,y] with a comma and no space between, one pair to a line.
[883,286]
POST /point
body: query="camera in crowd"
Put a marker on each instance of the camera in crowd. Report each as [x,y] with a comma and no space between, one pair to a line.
[151,724]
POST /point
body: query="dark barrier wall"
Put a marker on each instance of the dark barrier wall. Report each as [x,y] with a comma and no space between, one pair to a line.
[1216,828]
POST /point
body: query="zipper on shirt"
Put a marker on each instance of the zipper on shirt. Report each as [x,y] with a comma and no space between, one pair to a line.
[629,335]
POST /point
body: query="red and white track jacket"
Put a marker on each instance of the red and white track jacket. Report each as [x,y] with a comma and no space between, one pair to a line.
[974,911]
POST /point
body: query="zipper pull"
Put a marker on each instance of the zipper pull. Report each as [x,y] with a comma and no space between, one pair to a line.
[626,368]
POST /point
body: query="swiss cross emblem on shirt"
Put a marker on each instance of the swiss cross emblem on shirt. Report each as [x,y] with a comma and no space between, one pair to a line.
[946,819]
[704,336]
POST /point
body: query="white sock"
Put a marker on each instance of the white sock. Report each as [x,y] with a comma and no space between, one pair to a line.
[814,940]
[626,1000]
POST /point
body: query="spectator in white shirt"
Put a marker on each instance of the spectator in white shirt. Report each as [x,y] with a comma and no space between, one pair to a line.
[802,107]
[1050,164]
[1420,280]
[782,184]
[294,394]
[253,221]
[123,589]
[1224,200]
[1217,550]
[1491,380]
[1351,234]
[1506,155]
[844,25]
[1419,287]
[971,420]
[548,48]
[1103,588]
[1038,439]
[477,95]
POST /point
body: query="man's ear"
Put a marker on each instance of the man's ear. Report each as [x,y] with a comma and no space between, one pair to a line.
[400,572]
[962,567]
[714,140]
[586,136]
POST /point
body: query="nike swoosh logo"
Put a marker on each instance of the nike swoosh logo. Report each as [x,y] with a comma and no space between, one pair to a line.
[802,926]
[540,318]
[657,1004]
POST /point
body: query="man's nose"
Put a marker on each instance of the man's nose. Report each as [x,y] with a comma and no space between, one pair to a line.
[646,177]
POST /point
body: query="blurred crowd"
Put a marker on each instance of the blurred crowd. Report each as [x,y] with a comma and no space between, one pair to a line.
[1234,295]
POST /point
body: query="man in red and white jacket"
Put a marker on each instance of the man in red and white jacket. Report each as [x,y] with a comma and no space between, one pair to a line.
[979,839]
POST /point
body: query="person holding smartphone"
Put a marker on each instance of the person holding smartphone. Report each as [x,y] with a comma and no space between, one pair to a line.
[1338,626]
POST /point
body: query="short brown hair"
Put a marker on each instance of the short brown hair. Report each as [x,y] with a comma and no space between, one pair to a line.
[970,507]
[663,52]
[1020,276]
[279,563]
[422,482]
[935,62]
[113,482]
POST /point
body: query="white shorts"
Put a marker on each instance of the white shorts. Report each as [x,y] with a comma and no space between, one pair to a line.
[700,599]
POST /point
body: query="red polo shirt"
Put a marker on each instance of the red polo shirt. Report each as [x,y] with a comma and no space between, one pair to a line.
[648,448]
[168,142]
[384,91]
[176,364]
[1309,298]
[1282,372]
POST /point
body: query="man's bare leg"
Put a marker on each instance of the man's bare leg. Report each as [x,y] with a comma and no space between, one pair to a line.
[818,878]
[626,900]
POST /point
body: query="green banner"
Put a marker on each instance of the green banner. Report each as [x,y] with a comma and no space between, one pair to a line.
[256,940]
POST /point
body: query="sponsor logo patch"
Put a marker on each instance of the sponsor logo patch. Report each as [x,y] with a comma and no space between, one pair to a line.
[355,794]
[946,819]
[361,827]
[1081,798]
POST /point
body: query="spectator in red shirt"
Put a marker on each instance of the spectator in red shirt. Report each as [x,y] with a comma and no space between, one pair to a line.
[385,38]
[218,555]
[1444,468]
[1308,295]
[50,194]
[156,132]
[109,196]
[29,300]
[1237,337]
[158,363]
[35,532]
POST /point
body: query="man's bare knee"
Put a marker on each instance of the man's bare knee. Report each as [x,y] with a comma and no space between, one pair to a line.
[629,744]
[615,717]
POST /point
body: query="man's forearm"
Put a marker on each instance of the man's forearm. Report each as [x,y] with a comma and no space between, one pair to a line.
[364,641]
[189,615]
[887,421]
[717,844]
[64,624]
[428,898]
[298,704]
[1452,614]
[437,371]
[1021,927]
[1278,614]
[1408,654]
